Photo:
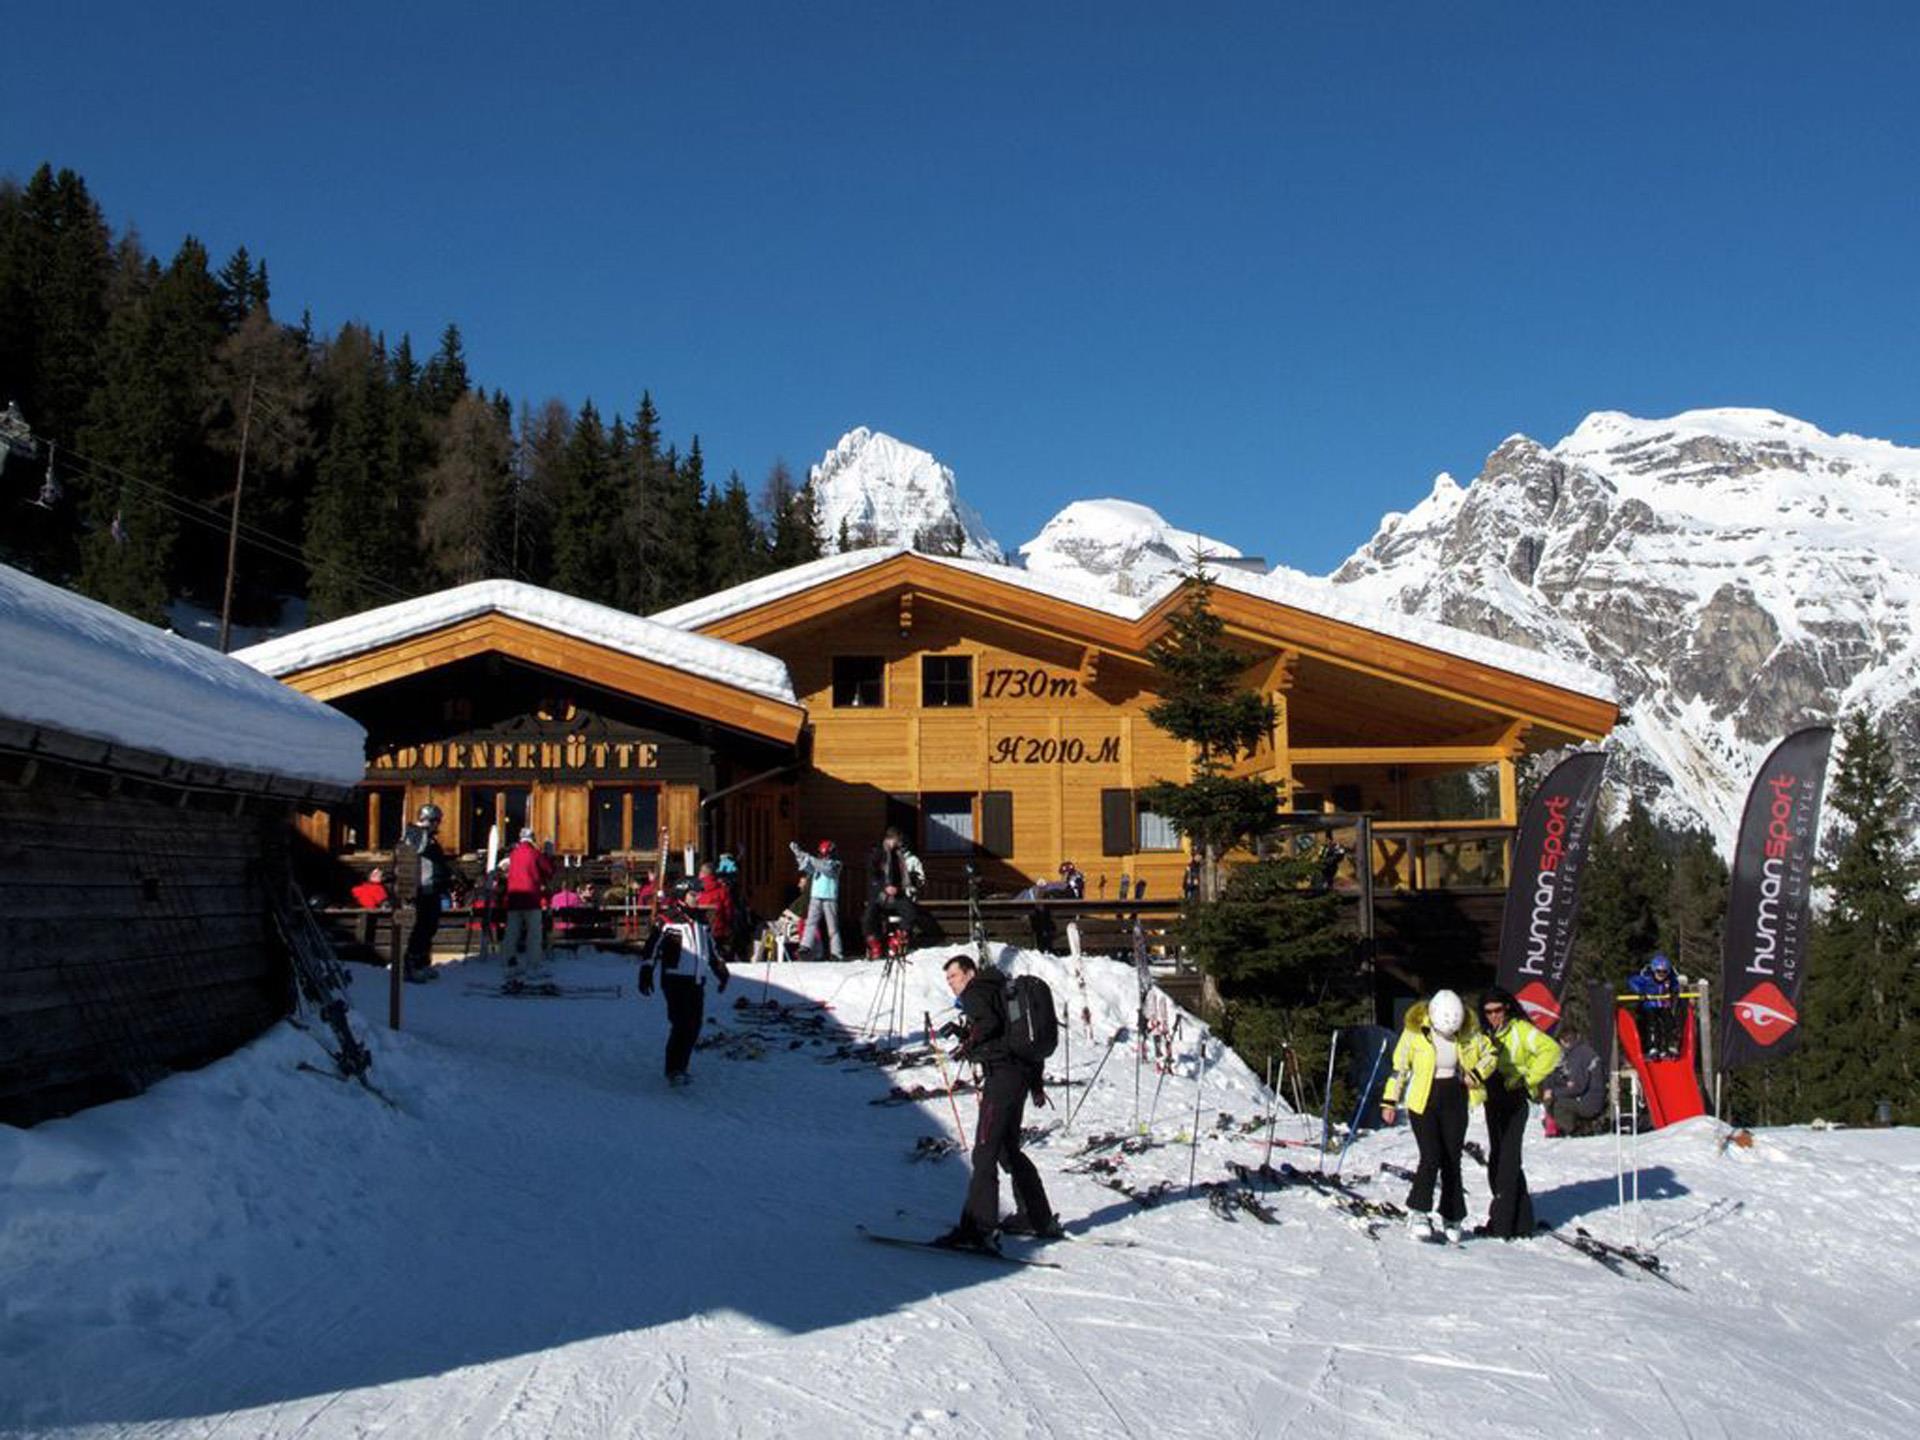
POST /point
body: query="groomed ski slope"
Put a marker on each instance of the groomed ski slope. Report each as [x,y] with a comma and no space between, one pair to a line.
[543,1240]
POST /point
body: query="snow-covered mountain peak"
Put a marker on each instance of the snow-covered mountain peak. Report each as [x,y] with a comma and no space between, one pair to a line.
[1118,545]
[1738,572]
[883,491]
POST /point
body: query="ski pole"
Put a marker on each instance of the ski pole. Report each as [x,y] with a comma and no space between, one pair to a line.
[1273,1105]
[1199,1084]
[945,1079]
[1154,1108]
[1353,1126]
[1326,1108]
[1118,1035]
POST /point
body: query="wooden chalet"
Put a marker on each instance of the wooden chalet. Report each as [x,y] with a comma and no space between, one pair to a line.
[998,718]
[509,705]
[147,786]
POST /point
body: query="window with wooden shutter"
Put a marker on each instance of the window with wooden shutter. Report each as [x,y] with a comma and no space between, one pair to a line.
[996,823]
[1116,822]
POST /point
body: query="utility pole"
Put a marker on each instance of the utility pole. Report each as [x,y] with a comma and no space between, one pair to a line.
[233,528]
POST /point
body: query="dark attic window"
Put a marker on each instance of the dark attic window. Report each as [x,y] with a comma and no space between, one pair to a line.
[859,682]
[946,681]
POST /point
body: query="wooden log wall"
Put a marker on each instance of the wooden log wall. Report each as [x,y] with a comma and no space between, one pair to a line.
[135,935]
[1044,728]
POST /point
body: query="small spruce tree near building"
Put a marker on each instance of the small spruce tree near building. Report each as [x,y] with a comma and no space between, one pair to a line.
[1202,702]
[1273,947]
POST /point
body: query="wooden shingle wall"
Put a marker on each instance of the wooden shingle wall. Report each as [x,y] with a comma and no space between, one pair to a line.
[135,935]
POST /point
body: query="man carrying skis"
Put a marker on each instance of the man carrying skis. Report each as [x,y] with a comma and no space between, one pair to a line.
[681,949]
[1004,1088]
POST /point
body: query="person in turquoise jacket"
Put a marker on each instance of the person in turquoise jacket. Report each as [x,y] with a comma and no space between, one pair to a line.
[1524,1056]
[822,872]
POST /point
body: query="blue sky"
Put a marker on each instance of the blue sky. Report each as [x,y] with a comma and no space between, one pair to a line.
[1267,268]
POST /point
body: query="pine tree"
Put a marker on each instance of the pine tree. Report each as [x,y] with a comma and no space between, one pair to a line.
[1273,946]
[735,543]
[792,518]
[1693,922]
[584,511]
[1197,676]
[240,294]
[351,548]
[148,464]
[467,491]
[56,266]
[1625,889]
[268,360]
[538,482]
[1861,1042]
[681,567]
[445,379]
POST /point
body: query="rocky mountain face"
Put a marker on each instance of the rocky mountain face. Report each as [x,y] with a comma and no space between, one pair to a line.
[876,490]
[1738,572]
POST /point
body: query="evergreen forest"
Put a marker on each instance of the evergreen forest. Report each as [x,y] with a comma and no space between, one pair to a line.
[148,401]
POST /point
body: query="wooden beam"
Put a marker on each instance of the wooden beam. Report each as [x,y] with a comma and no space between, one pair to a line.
[906,613]
[1398,754]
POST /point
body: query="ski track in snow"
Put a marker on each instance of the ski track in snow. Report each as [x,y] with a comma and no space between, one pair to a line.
[544,1241]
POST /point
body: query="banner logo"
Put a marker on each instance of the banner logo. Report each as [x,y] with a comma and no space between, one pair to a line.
[1541,1004]
[1766,1014]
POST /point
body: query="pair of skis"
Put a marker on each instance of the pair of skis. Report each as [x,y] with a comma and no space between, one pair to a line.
[543,990]
[1615,1257]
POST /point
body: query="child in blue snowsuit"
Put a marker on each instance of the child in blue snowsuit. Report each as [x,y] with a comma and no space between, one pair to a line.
[1658,1011]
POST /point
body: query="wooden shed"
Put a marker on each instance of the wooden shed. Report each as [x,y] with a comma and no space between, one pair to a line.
[147,786]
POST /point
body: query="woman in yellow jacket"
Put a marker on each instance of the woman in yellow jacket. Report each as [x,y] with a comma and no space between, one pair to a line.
[1526,1056]
[1440,1066]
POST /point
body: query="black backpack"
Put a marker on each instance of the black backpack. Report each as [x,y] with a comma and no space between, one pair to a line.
[1033,1025]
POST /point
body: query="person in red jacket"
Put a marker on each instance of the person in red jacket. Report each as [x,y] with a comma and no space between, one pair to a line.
[712,896]
[371,893]
[529,868]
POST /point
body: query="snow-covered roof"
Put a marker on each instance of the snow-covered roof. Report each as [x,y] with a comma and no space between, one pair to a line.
[663,644]
[1298,591]
[72,664]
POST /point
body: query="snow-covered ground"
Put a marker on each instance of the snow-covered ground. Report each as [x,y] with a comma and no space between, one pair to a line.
[545,1240]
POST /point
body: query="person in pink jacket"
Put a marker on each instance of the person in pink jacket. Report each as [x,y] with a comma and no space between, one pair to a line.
[529,868]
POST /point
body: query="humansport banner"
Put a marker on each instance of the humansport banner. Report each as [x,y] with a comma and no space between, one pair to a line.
[1543,893]
[1768,923]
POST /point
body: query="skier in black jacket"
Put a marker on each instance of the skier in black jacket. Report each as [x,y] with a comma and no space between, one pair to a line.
[1006,1083]
[681,948]
[894,877]
[422,879]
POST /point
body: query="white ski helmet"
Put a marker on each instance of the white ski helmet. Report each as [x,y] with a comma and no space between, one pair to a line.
[1445,1013]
